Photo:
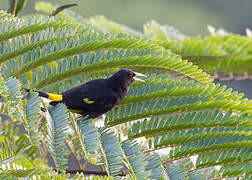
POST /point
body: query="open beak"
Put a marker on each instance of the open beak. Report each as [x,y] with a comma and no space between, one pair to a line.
[138,75]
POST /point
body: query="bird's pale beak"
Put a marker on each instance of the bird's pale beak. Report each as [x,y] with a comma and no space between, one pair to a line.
[138,75]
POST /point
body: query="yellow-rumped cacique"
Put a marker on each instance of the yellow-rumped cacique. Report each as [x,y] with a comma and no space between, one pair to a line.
[95,97]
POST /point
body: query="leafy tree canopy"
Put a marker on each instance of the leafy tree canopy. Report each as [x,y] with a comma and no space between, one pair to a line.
[203,129]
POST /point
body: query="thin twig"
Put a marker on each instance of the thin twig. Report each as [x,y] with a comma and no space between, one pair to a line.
[43,156]
[85,164]
[13,11]
[88,171]
[61,8]
[149,150]
[74,154]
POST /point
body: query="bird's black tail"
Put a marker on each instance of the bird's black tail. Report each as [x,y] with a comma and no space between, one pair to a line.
[55,97]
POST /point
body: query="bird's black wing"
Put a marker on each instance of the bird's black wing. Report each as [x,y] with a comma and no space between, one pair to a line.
[93,97]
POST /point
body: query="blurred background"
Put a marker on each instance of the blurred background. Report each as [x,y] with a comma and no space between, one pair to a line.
[191,17]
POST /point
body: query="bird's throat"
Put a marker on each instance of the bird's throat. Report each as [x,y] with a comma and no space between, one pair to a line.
[118,87]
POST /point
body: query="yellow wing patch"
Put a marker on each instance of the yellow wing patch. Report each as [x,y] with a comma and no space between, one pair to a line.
[86,100]
[75,110]
[55,97]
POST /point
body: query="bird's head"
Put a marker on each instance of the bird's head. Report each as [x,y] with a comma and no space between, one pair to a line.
[125,77]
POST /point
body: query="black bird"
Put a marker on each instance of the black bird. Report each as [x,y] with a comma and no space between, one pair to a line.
[95,97]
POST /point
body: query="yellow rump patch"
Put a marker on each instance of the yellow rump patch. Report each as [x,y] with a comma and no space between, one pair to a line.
[55,97]
[86,100]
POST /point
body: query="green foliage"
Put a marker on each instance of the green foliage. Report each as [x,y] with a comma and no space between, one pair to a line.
[10,97]
[180,170]
[58,123]
[155,166]
[11,148]
[135,156]
[88,139]
[178,110]
[112,153]
[216,54]
[32,116]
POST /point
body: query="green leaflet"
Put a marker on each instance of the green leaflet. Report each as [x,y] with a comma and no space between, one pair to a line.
[180,170]
[186,121]
[88,140]
[227,156]
[216,54]
[32,117]
[11,148]
[11,97]
[231,170]
[155,166]
[58,122]
[112,153]
[86,62]
[23,173]
[154,107]
[135,157]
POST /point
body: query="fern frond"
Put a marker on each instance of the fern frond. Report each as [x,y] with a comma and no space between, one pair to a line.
[11,148]
[183,169]
[67,65]
[168,88]
[58,122]
[205,134]
[208,146]
[188,120]
[88,138]
[17,171]
[135,157]
[13,88]
[91,46]
[216,54]
[36,44]
[11,98]
[9,130]
[176,171]
[6,154]
[28,29]
[145,63]
[112,153]
[32,25]
[24,173]
[234,156]
[154,107]
[32,107]
[23,145]
[236,170]
[155,166]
